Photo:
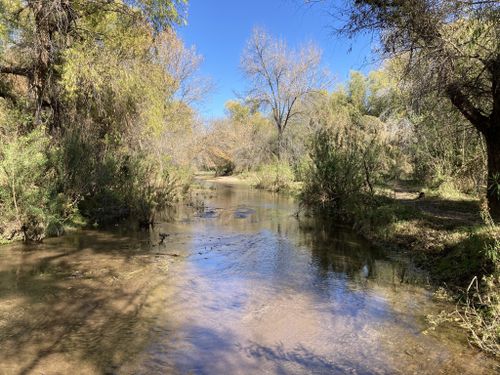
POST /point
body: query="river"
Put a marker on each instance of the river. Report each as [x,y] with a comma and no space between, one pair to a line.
[240,286]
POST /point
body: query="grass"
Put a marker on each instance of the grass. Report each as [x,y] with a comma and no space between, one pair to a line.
[447,235]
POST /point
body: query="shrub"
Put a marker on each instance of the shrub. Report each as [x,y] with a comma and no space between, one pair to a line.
[277,176]
[30,205]
[131,184]
[301,168]
[156,185]
[335,180]
[480,312]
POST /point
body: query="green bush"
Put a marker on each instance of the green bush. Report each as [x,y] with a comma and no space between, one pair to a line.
[335,180]
[130,185]
[301,168]
[30,205]
[277,176]
[156,184]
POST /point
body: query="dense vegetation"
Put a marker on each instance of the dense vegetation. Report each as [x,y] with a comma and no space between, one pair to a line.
[97,125]
[92,95]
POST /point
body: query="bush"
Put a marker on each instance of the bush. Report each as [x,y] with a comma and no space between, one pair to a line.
[30,205]
[156,185]
[277,176]
[301,168]
[480,313]
[131,184]
[335,180]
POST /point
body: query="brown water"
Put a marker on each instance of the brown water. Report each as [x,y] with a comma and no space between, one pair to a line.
[241,287]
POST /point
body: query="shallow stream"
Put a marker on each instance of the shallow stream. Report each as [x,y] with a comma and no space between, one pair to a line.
[240,286]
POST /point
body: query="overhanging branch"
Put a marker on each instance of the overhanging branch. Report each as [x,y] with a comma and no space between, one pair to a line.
[471,113]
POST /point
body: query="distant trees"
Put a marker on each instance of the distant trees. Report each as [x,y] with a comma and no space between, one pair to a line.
[453,50]
[280,77]
[239,142]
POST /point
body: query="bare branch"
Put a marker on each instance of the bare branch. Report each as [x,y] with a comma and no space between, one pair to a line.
[280,77]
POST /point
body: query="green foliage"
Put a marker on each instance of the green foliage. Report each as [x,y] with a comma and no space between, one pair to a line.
[358,91]
[335,180]
[29,202]
[480,313]
[467,259]
[494,184]
[155,186]
[110,120]
[301,168]
[349,150]
[162,13]
[276,176]
[442,154]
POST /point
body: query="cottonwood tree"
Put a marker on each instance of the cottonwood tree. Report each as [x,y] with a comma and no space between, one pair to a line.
[453,50]
[280,77]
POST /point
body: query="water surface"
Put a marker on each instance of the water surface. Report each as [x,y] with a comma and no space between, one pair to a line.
[240,286]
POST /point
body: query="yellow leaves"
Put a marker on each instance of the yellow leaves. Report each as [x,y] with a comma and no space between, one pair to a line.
[246,115]
[9,7]
[79,71]
[237,111]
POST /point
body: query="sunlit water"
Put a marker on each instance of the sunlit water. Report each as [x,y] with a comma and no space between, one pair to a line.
[239,287]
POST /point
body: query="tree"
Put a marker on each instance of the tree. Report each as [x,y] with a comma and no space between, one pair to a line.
[35,34]
[281,77]
[93,94]
[182,64]
[357,90]
[453,50]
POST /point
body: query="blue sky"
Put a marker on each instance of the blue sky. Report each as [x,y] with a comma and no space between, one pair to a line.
[220,29]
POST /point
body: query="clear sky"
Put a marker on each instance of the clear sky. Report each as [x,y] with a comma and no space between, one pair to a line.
[220,29]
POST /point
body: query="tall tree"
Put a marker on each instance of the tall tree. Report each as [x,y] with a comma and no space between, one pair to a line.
[281,77]
[453,49]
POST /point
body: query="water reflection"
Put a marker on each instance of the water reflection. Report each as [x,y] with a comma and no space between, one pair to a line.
[238,287]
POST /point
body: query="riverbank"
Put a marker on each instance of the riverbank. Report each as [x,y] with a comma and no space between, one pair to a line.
[253,180]
[451,238]
[459,248]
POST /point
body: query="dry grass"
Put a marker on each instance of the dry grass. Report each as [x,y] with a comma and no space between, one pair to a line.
[479,313]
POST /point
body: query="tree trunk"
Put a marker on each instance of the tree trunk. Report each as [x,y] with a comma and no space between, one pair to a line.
[492,138]
[280,144]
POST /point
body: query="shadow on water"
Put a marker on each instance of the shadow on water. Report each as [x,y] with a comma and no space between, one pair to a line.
[302,357]
[222,356]
[74,301]
[339,251]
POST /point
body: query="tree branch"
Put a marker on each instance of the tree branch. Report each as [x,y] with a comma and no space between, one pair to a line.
[463,104]
[15,70]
